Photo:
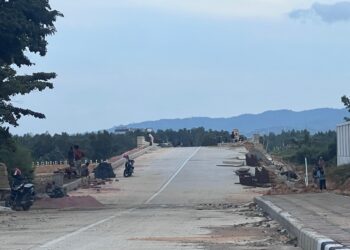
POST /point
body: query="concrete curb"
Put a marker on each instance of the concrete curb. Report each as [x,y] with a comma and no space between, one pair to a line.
[308,239]
[76,184]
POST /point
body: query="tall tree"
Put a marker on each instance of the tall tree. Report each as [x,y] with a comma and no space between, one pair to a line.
[24,27]
[346,102]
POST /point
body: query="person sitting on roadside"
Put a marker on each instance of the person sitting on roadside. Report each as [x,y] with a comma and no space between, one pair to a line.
[85,170]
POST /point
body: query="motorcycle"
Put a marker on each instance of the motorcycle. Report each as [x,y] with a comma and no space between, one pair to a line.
[129,168]
[22,195]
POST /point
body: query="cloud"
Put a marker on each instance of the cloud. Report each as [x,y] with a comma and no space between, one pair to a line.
[329,13]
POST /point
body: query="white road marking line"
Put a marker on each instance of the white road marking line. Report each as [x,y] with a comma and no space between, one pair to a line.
[83,229]
[64,237]
[172,177]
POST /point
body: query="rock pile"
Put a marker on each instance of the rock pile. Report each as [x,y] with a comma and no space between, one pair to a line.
[104,171]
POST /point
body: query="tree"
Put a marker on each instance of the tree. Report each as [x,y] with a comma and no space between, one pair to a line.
[24,27]
[346,102]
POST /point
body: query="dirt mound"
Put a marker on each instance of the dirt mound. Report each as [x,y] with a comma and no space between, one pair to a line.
[68,202]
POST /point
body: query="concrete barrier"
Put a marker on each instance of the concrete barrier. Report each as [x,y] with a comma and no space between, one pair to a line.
[308,239]
[41,180]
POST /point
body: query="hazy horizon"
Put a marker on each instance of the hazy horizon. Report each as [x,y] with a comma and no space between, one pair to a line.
[182,118]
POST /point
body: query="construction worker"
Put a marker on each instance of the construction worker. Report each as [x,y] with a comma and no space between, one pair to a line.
[78,156]
[322,178]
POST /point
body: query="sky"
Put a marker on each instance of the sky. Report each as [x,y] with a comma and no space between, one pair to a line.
[126,61]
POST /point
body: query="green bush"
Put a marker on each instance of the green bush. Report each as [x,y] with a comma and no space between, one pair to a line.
[340,174]
[17,156]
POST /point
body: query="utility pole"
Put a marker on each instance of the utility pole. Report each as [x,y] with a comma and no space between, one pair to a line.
[306,174]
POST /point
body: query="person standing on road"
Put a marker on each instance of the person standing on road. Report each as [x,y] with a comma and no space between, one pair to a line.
[322,167]
[322,178]
[314,175]
[71,157]
[71,169]
[321,163]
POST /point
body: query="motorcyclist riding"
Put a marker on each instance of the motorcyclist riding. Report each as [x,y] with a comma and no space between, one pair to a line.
[17,177]
[22,192]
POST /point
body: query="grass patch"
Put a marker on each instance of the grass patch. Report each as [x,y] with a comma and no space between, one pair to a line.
[339,174]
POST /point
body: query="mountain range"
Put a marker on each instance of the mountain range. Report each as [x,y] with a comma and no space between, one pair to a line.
[315,120]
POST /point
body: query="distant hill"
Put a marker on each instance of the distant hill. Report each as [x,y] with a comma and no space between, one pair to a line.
[315,120]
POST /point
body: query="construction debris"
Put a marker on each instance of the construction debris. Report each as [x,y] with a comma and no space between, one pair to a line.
[260,179]
[54,191]
[262,175]
[283,177]
[242,171]
[104,171]
[290,174]
[252,160]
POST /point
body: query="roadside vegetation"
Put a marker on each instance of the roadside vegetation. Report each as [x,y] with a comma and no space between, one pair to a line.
[24,28]
[340,174]
[294,146]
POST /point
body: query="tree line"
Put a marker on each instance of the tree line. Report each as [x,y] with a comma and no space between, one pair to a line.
[104,144]
[192,137]
[101,145]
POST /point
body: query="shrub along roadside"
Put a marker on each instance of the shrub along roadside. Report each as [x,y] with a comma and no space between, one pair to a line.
[339,175]
[294,146]
[15,155]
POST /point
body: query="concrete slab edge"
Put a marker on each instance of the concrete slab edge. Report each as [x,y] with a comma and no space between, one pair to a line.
[308,239]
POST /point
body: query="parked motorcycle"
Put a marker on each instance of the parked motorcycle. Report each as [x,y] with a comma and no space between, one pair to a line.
[129,168]
[22,195]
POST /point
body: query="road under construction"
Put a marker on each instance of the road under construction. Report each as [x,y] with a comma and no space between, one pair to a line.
[184,198]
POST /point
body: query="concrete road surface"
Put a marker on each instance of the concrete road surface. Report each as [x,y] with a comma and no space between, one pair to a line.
[178,198]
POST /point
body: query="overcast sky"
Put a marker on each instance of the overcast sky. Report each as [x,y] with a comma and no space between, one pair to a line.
[128,61]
